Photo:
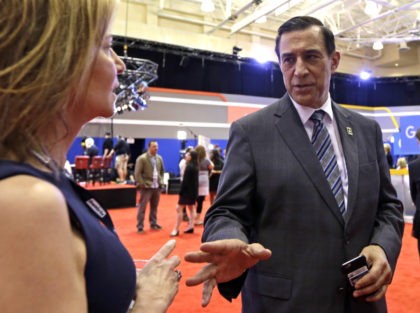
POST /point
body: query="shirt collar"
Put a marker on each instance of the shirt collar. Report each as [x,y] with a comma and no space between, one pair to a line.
[306,112]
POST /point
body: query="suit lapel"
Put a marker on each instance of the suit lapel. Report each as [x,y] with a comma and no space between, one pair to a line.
[293,132]
[348,137]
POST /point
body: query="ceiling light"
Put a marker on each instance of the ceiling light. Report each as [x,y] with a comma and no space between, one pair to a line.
[261,20]
[207,6]
[403,46]
[372,8]
[377,45]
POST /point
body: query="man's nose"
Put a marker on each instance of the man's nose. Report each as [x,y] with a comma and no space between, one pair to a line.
[300,67]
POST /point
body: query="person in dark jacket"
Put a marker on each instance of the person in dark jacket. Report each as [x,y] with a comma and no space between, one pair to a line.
[218,163]
[414,175]
[188,193]
[282,224]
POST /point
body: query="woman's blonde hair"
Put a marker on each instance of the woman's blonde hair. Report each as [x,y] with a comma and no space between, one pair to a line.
[401,163]
[201,152]
[47,49]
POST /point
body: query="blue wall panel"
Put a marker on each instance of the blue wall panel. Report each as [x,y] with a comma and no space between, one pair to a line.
[169,149]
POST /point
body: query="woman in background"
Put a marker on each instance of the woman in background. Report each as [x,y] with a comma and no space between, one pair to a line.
[188,193]
[204,169]
[389,158]
[57,72]
[218,163]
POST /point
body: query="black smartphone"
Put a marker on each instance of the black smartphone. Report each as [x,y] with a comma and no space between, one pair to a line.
[355,269]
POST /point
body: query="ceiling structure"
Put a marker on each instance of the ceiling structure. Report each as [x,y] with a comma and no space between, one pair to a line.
[357,25]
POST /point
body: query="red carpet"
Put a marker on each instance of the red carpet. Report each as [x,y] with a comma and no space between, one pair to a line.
[403,294]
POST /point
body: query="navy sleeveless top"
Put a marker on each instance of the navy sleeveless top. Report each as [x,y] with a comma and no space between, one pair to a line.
[110,273]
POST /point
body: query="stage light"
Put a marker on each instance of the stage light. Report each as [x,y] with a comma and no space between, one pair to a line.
[261,54]
[364,75]
[181,135]
[236,50]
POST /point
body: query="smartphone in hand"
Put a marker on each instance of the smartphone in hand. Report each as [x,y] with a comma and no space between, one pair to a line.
[355,269]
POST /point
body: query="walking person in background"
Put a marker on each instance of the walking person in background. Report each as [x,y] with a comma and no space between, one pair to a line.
[188,193]
[107,155]
[108,146]
[122,154]
[182,165]
[218,163]
[414,177]
[61,251]
[305,188]
[204,169]
[389,158]
[148,173]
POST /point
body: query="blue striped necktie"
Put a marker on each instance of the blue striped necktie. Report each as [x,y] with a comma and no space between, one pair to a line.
[321,142]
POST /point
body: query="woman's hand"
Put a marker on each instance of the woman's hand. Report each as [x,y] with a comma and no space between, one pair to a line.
[157,282]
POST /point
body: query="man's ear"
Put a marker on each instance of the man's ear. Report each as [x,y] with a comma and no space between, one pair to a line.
[335,61]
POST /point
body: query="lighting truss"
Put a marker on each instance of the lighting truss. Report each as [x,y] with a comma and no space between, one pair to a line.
[132,93]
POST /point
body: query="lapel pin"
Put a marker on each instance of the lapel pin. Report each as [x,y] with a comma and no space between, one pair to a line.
[349,131]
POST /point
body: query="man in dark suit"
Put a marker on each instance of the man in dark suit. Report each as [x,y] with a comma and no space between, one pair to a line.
[414,175]
[275,204]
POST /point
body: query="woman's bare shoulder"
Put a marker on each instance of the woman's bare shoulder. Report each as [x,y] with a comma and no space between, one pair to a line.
[24,196]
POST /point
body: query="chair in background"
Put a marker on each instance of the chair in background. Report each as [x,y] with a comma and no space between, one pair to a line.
[95,169]
[106,170]
[81,168]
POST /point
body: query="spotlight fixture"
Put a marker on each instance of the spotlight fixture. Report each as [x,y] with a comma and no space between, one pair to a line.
[236,50]
[181,135]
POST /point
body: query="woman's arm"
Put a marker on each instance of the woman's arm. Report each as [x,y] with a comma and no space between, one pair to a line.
[42,264]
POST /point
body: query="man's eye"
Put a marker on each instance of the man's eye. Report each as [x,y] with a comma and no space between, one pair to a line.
[312,57]
[287,60]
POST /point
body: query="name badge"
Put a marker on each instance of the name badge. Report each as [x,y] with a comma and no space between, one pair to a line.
[96,207]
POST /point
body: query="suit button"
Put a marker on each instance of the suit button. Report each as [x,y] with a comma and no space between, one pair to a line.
[347,242]
[340,289]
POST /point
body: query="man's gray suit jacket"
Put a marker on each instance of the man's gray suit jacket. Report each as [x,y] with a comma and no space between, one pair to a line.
[273,191]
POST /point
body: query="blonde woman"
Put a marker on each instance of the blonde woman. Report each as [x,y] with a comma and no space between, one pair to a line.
[61,253]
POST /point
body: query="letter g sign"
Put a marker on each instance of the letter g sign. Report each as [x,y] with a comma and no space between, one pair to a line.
[410,132]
